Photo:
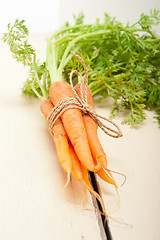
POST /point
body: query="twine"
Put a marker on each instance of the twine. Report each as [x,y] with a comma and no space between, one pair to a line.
[81,103]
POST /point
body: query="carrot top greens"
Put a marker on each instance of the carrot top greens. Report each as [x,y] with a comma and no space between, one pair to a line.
[123,61]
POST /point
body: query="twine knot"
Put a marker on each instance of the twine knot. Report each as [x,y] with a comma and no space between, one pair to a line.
[81,103]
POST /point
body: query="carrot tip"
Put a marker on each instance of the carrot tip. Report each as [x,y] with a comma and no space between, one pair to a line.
[67,182]
[109,172]
[99,199]
[97,167]
[123,175]
[117,205]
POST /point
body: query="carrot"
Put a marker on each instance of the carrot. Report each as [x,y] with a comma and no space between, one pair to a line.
[76,165]
[73,123]
[94,142]
[91,129]
[106,175]
[80,173]
[59,136]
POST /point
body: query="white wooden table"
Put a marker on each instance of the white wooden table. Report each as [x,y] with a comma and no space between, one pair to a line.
[32,205]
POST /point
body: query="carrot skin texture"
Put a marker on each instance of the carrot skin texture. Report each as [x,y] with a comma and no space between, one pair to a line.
[94,142]
[73,123]
[59,136]
[91,129]
[76,165]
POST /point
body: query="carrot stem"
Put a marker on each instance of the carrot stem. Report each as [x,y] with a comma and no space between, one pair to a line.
[37,78]
[67,29]
[70,45]
[51,53]
[51,60]
[37,94]
[63,39]
[40,85]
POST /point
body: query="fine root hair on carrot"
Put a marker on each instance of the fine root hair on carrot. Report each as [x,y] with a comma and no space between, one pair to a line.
[117,204]
[120,221]
[87,183]
[116,189]
[84,198]
[106,176]
[98,197]
[66,184]
[116,172]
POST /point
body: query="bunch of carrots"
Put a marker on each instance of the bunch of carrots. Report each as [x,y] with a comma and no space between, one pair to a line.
[79,149]
[74,132]
[76,140]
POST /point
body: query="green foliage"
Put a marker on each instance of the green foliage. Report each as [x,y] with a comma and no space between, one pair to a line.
[122,61]
[16,37]
[78,19]
[147,21]
[123,64]
[157,111]
[22,51]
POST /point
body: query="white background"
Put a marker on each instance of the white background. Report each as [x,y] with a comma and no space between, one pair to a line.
[48,15]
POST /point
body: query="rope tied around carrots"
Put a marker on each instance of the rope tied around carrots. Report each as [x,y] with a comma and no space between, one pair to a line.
[81,104]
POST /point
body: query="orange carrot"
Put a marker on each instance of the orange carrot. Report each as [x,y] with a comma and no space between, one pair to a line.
[66,153]
[106,175]
[76,165]
[59,136]
[94,142]
[80,173]
[91,129]
[73,123]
